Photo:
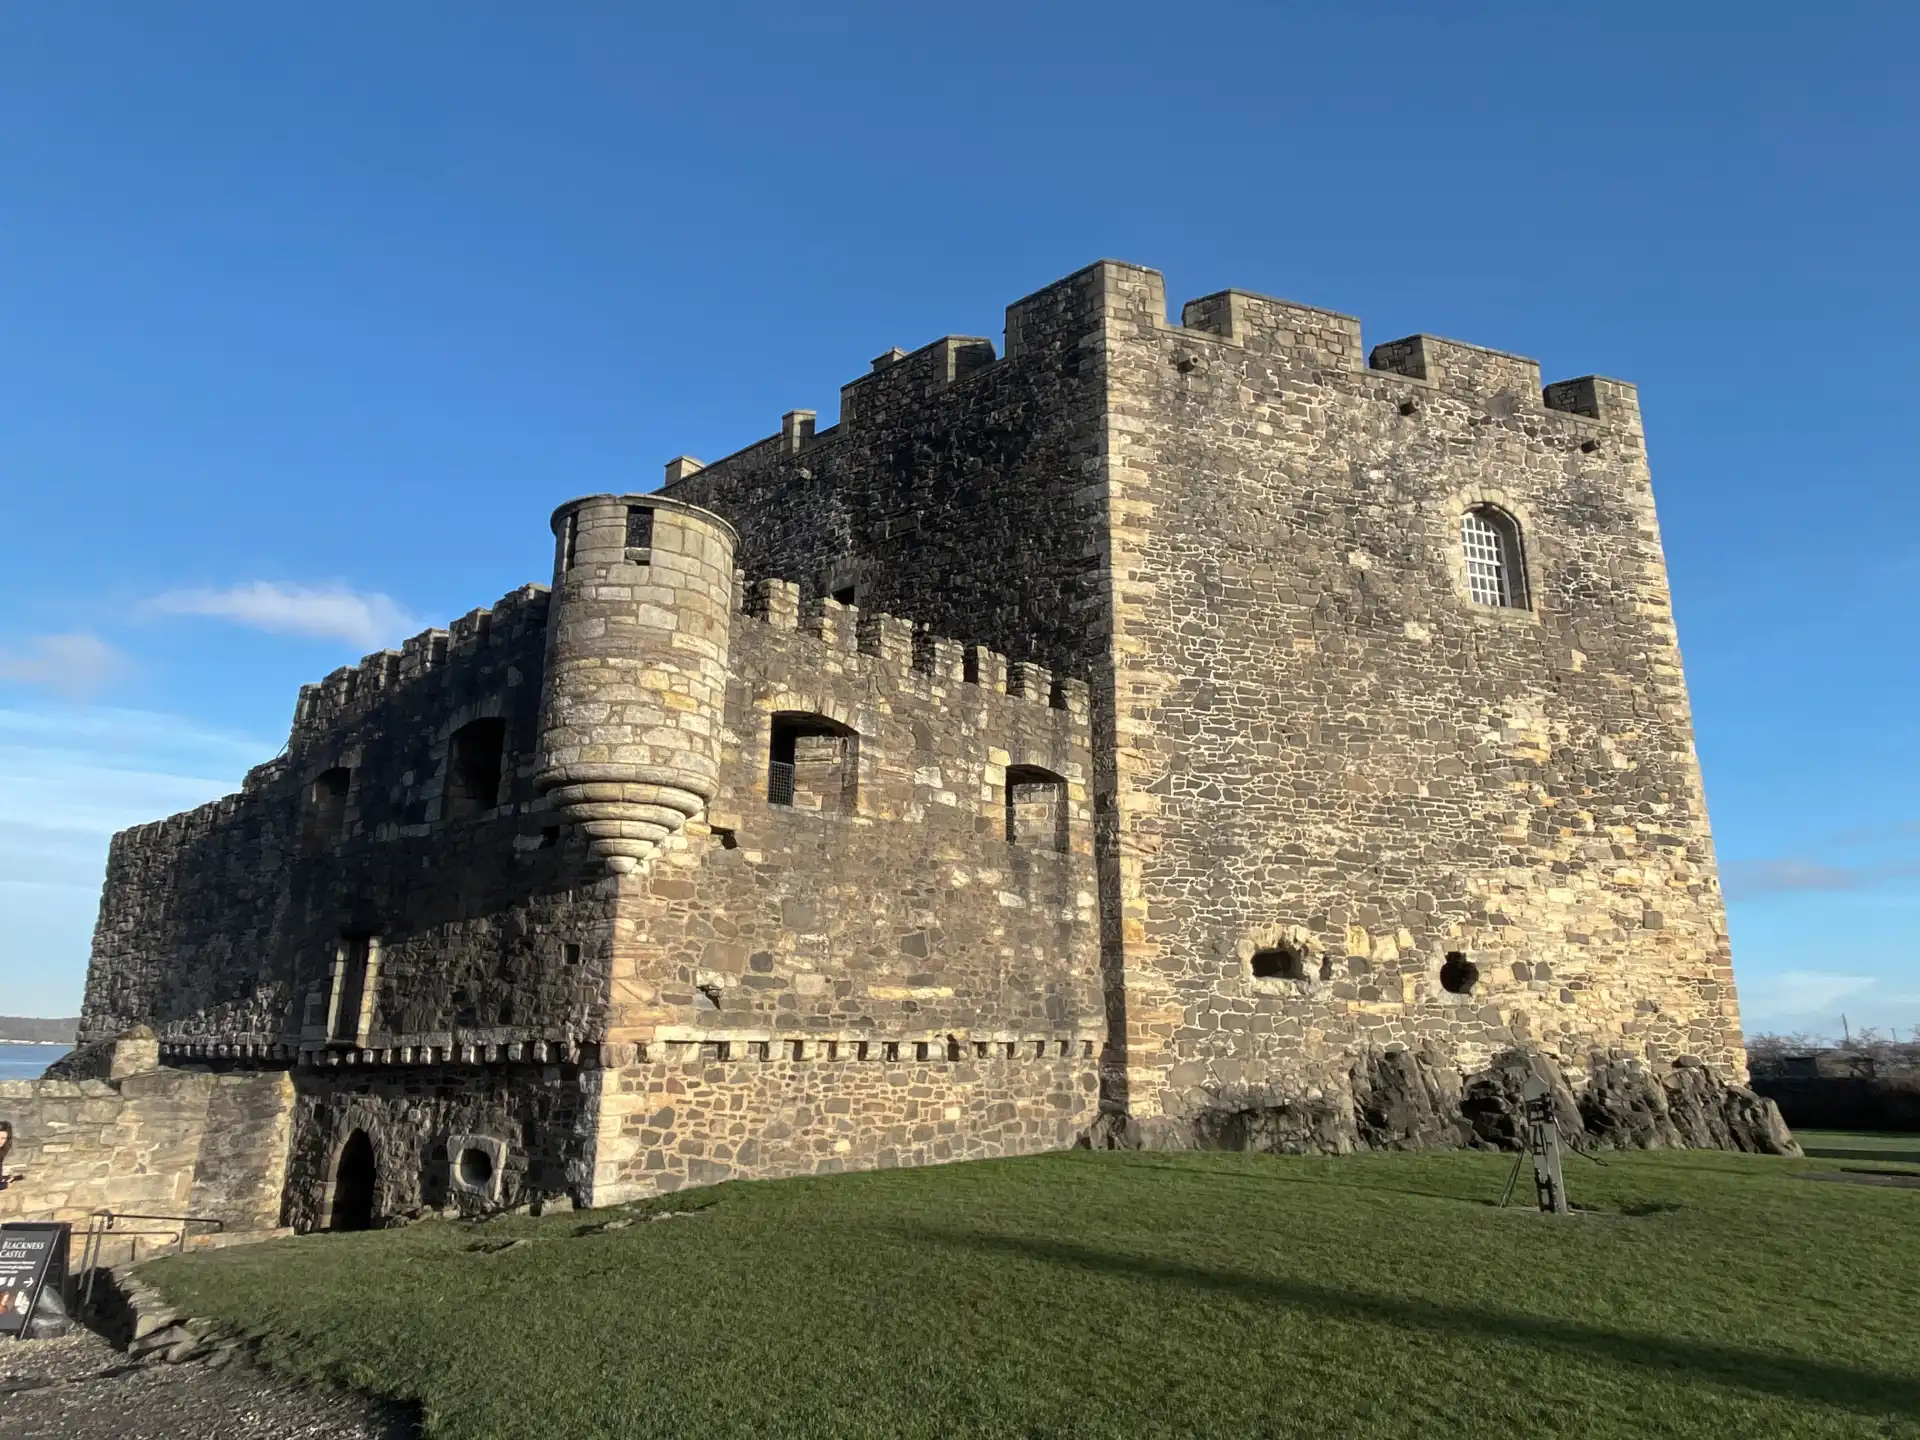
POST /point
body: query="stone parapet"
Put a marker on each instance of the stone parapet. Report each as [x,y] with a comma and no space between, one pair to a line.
[160,1142]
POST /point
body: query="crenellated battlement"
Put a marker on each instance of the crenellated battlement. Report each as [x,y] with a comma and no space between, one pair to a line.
[351,691]
[178,830]
[1309,344]
[906,653]
[1317,344]
[900,380]
[1323,339]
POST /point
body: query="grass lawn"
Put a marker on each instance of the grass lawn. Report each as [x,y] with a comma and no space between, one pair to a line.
[1859,1145]
[1095,1294]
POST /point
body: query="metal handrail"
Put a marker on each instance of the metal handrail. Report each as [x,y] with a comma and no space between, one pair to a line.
[104,1223]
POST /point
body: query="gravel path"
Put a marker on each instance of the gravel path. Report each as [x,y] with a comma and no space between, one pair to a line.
[81,1388]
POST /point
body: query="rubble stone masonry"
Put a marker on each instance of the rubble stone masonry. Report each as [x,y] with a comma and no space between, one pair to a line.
[148,1141]
[1307,734]
[1201,784]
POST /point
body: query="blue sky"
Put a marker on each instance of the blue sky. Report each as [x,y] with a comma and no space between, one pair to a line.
[308,315]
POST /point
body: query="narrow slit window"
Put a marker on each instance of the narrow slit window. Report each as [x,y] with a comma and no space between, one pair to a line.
[354,969]
[640,534]
[1490,543]
[326,811]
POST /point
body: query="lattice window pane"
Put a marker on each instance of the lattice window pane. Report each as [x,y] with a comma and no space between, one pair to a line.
[780,782]
[1489,573]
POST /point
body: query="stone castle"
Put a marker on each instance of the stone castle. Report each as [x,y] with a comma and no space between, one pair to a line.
[1156,733]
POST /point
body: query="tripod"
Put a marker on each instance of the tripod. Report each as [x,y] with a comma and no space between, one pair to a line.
[1543,1144]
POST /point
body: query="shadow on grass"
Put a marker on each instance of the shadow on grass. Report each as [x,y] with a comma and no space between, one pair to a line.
[1886,1155]
[1766,1373]
[1520,1200]
[1370,1184]
[1639,1209]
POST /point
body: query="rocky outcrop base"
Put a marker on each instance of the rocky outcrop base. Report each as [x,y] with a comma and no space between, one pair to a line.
[1417,1099]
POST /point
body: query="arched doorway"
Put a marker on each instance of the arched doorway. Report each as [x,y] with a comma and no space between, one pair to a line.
[353,1177]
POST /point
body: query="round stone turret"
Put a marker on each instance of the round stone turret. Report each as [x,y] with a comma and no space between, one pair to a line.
[636,680]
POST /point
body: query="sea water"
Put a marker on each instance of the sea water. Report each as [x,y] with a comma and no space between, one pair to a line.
[25,1062]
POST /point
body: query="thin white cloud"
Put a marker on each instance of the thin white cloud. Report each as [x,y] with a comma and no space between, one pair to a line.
[1819,1003]
[1878,834]
[331,611]
[70,776]
[1745,879]
[89,770]
[75,666]
[1753,879]
[1800,993]
[111,727]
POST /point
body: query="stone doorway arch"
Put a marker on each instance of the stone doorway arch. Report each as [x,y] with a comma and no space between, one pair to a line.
[350,1195]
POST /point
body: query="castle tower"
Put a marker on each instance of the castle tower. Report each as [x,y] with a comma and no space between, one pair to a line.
[636,676]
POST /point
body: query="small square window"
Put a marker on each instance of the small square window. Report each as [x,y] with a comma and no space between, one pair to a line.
[639,528]
[476,759]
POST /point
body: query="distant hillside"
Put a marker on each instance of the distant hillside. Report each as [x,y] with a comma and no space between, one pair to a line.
[25,1029]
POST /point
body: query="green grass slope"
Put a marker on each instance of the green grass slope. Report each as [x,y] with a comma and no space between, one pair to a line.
[1090,1294]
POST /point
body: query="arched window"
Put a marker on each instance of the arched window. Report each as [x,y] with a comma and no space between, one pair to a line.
[1490,541]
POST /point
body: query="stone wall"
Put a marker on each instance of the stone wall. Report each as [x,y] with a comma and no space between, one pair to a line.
[898,908]
[965,491]
[160,1142]
[957,489]
[913,909]
[1324,743]
[892,917]
[1888,1103]
[696,1123]
[1245,529]
[220,928]
[1207,574]
[1872,1085]
[540,1116]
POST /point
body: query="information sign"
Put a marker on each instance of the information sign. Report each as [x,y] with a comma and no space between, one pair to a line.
[33,1256]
